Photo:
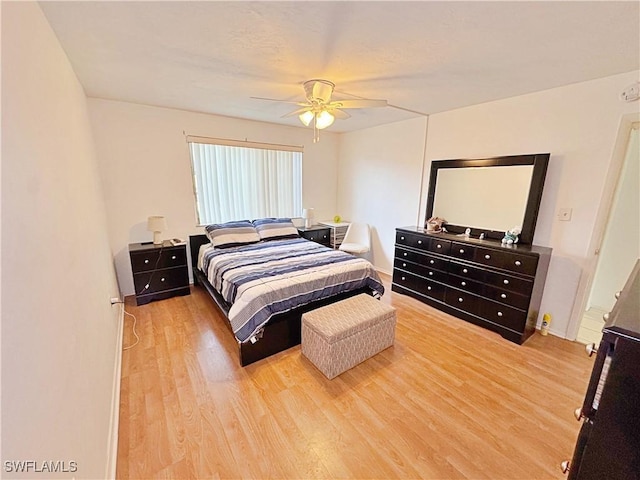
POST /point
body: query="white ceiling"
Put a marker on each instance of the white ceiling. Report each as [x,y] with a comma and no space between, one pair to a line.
[424,56]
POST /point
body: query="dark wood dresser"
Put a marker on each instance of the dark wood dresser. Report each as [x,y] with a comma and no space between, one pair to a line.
[496,286]
[608,445]
[317,233]
[159,271]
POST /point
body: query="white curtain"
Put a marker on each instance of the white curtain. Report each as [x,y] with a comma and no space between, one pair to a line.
[240,183]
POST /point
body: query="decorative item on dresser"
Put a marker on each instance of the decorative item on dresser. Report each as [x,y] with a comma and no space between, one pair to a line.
[608,444]
[496,286]
[316,233]
[159,271]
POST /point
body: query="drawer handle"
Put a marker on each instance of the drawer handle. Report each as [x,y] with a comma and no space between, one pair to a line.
[518,263]
[617,295]
[162,279]
[591,349]
[404,264]
[173,257]
[431,273]
[404,278]
[487,256]
[401,238]
[460,299]
[464,270]
[462,250]
[419,242]
[146,260]
[504,295]
[505,281]
[564,466]
[431,262]
[404,254]
[605,317]
[429,288]
[499,314]
[464,284]
[438,246]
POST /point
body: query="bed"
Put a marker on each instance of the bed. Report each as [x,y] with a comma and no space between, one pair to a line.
[262,289]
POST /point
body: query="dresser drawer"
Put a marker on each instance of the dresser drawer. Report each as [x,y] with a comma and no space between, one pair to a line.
[463,251]
[421,259]
[506,260]
[423,242]
[466,271]
[160,280]
[463,300]
[503,315]
[419,284]
[158,258]
[466,284]
[421,270]
[507,297]
[508,282]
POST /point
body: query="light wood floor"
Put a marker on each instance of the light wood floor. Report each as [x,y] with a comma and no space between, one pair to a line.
[448,400]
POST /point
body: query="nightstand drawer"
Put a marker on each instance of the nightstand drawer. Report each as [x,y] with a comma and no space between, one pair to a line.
[318,235]
[160,280]
[158,258]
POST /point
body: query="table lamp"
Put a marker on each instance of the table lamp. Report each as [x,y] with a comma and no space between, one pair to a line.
[156,224]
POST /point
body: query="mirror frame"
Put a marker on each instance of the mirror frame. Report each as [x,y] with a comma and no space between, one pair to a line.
[539,162]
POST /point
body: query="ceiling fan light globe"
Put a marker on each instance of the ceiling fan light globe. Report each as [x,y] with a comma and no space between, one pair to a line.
[324,119]
[306,117]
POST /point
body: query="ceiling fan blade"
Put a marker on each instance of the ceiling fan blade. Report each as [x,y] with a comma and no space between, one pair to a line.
[281,101]
[297,112]
[364,103]
[339,114]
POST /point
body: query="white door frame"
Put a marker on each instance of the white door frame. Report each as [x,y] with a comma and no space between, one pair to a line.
[604,211]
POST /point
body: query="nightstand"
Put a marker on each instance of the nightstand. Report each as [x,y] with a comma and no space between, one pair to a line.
[338,231]
[159,271]
[316,233]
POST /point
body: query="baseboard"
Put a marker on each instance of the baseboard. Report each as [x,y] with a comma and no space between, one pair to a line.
[112,453]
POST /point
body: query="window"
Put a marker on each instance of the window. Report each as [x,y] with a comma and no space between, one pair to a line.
[245,180]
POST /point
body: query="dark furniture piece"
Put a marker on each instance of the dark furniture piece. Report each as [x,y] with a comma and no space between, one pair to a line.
[608,445]
[496,286]
[159,271]
[317,233]
[283,330]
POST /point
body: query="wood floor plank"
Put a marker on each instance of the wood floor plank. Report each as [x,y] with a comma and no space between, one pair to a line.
[449,400]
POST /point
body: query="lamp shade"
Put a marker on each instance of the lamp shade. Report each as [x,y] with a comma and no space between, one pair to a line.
[306,117]
[156,224]
[324,119]
[307,214]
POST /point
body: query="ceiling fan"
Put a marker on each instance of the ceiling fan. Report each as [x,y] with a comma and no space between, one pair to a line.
[319,110]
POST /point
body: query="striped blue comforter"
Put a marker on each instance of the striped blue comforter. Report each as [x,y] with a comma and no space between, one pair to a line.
[264,279]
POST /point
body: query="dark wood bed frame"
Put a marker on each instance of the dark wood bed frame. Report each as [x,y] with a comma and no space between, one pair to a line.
[282,331]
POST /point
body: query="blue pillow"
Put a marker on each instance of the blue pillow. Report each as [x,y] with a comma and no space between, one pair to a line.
[231,234]
[275,228]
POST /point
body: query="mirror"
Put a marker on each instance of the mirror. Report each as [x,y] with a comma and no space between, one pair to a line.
[489,196]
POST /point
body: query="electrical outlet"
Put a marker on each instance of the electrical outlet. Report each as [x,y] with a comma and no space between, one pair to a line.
[564,214]
[115,300]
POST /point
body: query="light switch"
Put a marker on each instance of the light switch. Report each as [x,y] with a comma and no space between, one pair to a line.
[564,214]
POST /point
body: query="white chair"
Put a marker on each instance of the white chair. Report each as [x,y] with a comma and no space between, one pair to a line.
[357,240]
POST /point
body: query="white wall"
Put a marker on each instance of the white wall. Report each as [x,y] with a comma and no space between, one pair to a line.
[379,179]
[621,245]
[578,124]
[145,167]
[59,331]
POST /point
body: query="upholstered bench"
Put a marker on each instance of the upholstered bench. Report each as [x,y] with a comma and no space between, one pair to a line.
[339,336]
